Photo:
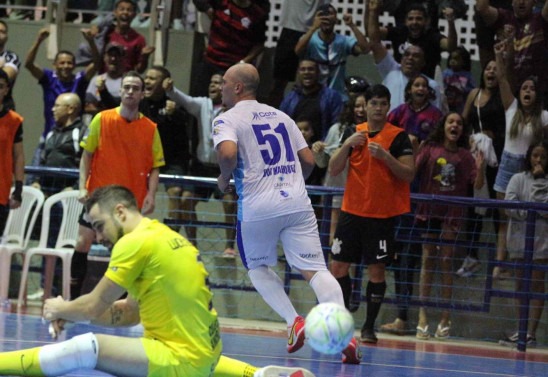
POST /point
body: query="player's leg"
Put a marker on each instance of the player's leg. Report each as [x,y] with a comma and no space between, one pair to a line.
[257,242]
[228,367]
[174,204]
[188,213]
[79,265]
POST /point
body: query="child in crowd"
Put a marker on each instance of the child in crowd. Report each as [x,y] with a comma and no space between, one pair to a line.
[444,166]
[457,79]
[530,185]
[525,121]
[417,116]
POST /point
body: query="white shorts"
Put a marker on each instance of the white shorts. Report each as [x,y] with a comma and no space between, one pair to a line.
[258,241]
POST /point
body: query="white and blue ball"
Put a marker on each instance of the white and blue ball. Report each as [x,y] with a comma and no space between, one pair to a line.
[328,328]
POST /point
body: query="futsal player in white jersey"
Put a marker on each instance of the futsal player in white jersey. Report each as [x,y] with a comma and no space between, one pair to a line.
[267,155]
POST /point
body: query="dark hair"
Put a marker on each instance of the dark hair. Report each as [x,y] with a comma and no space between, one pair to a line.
[118,2]
[347,114]
[325,8]
[527,164]
[465,55]
[377,90]
[165,73]
[407,90]
[4,76]
[416,7]
[536,112]
[482,75]
[437,136]
[107,197]
[65,52]
[134,74]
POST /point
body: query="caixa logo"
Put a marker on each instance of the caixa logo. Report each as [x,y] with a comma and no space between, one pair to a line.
[263,114]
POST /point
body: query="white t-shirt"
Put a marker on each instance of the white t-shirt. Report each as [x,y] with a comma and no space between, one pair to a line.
[521,143]
[113,86]
[268,175]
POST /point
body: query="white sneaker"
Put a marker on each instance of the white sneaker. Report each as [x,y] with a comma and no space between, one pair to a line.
[469,267]
[277,371]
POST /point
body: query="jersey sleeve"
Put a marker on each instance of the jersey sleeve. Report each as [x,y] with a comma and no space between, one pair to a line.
[223,131]
[401,146]
[127,261]
[157,150]
[90,142]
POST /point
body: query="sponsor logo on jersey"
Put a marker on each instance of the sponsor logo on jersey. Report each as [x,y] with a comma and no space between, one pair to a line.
[263,114]
[282,169]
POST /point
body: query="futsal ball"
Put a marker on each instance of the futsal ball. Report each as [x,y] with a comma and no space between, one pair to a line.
[328,328]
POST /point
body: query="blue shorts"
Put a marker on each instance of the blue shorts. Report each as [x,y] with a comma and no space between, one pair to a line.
[510,164]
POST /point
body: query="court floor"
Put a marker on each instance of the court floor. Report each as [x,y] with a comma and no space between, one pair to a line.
[392,356]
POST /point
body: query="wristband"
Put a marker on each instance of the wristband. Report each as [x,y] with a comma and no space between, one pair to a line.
[18,191]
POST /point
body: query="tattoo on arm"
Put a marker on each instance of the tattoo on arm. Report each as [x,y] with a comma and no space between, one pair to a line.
[116,314]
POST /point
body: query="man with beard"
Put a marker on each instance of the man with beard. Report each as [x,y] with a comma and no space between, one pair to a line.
[330,49]
[310,99]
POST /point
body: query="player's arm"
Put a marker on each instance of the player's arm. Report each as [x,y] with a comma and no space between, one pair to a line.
[86,308]
[227,152]
[150,199]
[337,162]
[302,44]
[374,31]
[399,159]
[306,158]
[123,312]
[30,64]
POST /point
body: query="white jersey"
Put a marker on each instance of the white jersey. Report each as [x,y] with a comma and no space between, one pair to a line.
[268,175]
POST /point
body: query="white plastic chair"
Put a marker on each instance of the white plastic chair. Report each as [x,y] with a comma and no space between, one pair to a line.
[64,246]
[17,233]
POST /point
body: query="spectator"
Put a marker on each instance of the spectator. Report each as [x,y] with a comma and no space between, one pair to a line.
[529,37]
[172,122]
[418,118]
[109,81]
[484,113]
[416,32]
[531,185]
[296,18]
[273,201]
[330,49]
[237,34]
[485,35]
[444,166]
[319,103]
[124,147]
[203,161]
[525,121]
[380,168]
[12,159]
[352,114]
[9,63]
[116,28]
[60,80]
[457,79]
[395,75]
[62,145]
[23,14]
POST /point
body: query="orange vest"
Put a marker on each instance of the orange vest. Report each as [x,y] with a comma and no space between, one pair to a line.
[9,124]
[123,155]
[371,188]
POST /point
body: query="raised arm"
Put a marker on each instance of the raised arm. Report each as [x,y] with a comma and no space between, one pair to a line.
[362,47]
[374,31]
[301,45]
[504,85]
[450,42]
[93,67]
[30,64]
[487,12]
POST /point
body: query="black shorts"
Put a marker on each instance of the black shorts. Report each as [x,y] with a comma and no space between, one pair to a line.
[364,240]
[174,170]
[204,192]
[429,226]
[285,59]
[4,212]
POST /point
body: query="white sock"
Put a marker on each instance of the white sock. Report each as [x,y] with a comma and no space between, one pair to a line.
[270,286]
[326,288]
[61,358]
